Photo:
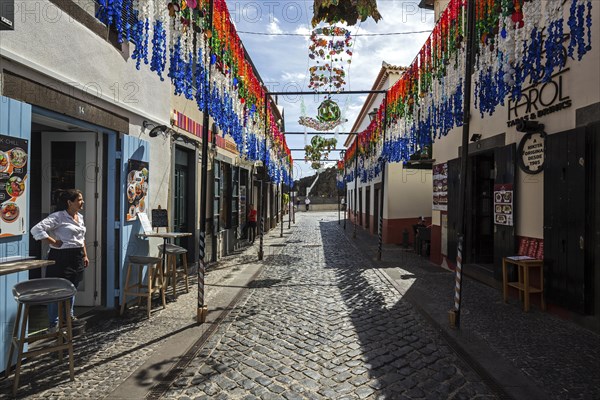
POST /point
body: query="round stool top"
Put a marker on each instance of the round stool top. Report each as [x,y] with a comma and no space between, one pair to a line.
[43,291]
[173,249]
[144,260]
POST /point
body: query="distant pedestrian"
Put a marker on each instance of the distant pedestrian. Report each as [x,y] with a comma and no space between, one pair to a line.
[307,203]
[343,204]
[251,223]
[297,203]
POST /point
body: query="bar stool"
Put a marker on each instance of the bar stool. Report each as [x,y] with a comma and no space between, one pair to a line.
[173,251]
[42,292]
[155,281]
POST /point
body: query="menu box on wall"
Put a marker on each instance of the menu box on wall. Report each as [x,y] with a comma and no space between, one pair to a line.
[13,186]
[440,187]
[137,189]
[503,204]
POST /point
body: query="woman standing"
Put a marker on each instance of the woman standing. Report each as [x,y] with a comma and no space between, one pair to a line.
[64,230]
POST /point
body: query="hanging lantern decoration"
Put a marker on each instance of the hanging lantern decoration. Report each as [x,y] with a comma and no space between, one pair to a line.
[331,51]
[329,111]
[318,149]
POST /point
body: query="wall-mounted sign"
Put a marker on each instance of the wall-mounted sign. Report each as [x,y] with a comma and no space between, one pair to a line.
[532,152]
[440,187]
[539,100]
[13,186]
[503,204]
[137,189]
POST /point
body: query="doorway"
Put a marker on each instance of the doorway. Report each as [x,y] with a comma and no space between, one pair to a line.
[368,207]
[481,212]
[376,211]
[360,208]
[72,160]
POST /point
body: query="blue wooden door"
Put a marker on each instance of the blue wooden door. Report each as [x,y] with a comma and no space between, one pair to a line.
[15,121]
[139,150]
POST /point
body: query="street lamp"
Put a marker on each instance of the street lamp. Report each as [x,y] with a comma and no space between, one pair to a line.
[372,114]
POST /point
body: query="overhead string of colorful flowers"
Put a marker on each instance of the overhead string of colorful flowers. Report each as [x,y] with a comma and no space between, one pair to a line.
[518,43]
[163,31]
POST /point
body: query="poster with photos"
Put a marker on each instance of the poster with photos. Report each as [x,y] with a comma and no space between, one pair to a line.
[440,187]
[503,204]
[136,189]
[13,186]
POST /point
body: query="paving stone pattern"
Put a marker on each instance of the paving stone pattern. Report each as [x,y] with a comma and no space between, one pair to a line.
[114,348]
[319,323]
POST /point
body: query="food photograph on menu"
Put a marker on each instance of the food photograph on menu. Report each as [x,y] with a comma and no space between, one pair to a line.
[503,204]
[440,187]
[13,185]
[137,189]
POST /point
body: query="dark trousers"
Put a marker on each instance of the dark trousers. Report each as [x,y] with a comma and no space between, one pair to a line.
[69,265]
[251,226]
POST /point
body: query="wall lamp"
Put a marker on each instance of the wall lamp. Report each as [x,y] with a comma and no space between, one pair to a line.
[156,129]
[529,126]
[476,137]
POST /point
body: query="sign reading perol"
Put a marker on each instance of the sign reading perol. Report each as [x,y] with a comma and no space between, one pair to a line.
[532,150]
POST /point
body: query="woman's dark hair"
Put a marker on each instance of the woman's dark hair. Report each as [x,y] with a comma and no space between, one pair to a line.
[63,196]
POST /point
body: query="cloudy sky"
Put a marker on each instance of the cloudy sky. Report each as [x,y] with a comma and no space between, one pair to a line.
[282,60]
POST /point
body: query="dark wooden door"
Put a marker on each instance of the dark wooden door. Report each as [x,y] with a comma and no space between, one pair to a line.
[565,219]
[368,207]
[453,199]
[504,236]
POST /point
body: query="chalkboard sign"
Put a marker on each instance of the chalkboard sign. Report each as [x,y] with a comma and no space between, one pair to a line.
[159,218]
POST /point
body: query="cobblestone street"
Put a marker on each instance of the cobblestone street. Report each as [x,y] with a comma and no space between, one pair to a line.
[318,318]
[318,323]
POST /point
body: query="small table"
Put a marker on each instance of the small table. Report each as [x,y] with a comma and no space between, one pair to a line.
[26,264]
[166,237]
[524,264]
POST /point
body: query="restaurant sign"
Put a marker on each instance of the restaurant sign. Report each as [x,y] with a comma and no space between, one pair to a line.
[532,152]
[539,100]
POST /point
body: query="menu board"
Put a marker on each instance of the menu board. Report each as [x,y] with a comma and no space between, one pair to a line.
[137,189]
[440,187]
[13,186]
[503,204]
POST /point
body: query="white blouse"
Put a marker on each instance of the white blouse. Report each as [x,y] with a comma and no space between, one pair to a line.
[61,226]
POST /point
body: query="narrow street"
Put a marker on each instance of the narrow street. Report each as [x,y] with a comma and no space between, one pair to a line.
[320,323]
[319,318]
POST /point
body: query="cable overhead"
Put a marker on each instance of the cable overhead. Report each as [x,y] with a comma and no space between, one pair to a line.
[358,34]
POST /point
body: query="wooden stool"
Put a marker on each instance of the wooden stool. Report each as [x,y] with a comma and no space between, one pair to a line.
[171,272]
[523,285]
[42,292]
[155,281]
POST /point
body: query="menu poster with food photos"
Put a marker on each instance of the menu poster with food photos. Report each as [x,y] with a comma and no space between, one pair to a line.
[440,187]
[503,204]
[13,180]
[136,189]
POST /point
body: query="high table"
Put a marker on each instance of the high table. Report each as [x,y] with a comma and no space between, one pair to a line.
[524,264]
[166,237]
[11,267]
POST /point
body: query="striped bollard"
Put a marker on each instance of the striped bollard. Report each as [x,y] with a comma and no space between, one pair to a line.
[260,247]
[202,308]
[454,314]
[380,243]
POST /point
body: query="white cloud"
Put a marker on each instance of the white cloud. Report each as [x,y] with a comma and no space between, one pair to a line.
[273,26]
